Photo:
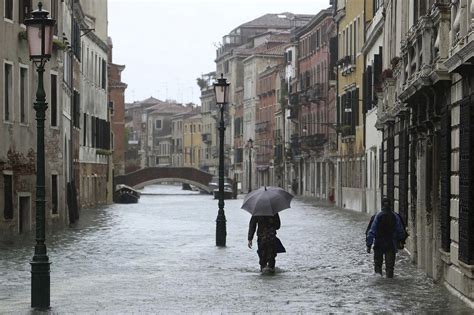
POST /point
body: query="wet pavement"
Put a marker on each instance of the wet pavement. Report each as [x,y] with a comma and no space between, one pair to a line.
[159,256]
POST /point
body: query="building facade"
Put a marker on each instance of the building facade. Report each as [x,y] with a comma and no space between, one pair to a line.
[18,85]
[116,90]
[372,97]
[351,18]
[209,114]
[192,141]
[91,112]
[313,103]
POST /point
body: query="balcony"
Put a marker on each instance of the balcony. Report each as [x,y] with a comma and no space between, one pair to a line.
[461,54]
[206,137]
[315,141]
[422,63]
[347,64]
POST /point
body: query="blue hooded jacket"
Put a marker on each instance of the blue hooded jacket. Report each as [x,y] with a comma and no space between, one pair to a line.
[389,229]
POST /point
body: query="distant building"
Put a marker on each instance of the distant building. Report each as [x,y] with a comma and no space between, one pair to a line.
[159,142]
[117,105]
[209,114]
[136,128]
[236,47]
[313,104]
[351,18]
[192,141]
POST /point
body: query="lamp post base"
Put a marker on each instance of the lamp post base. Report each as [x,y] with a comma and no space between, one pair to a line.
[40,284]
[221,232]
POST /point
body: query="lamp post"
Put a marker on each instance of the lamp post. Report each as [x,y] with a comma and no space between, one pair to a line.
[221,90]
[40,42]
[250,146]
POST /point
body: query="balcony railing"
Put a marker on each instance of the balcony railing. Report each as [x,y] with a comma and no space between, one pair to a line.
[315,141]
[206,137]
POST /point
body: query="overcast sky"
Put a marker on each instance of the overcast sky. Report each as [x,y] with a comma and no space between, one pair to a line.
[166,44]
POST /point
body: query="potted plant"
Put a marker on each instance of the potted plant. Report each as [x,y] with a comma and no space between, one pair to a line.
[59,44]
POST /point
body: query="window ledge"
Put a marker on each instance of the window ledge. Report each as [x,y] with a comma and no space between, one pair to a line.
[468,270]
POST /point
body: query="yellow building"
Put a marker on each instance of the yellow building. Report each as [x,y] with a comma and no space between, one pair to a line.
[192,141]
[351,18]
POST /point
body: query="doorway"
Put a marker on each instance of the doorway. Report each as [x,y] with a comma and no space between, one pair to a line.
[24,214]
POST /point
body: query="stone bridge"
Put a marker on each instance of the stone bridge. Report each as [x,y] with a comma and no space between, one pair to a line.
[154,175]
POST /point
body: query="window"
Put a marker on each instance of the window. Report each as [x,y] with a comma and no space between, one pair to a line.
[54,100]
[318,38]
[76,110]
[104,74]
[76,39]
[8,197]
[66,69]
[111,107]
[24,95]
[8,6]
[8,88]
[85,130]
[355,39]
[24,9]
[158,124]
[54,14]
[112,139]
[93,131]
[54,194]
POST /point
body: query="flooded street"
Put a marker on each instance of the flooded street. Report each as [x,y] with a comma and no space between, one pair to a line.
[160,256]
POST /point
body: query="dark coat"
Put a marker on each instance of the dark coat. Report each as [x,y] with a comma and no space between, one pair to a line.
[385,231]
[265,224]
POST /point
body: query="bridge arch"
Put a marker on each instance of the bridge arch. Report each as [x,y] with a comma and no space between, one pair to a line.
[152,175]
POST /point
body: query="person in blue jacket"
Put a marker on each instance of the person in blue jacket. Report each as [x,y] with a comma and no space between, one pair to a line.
[386,230]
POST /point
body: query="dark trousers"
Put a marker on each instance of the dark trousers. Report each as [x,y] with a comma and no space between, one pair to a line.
[389,261]
[266,252]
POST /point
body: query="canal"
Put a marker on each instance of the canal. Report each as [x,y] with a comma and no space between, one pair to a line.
[160,256]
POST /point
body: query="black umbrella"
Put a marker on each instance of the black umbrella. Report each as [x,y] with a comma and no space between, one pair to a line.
[267,201]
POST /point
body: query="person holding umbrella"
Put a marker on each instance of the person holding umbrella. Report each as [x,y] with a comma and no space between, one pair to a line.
[266,239]
[264,204]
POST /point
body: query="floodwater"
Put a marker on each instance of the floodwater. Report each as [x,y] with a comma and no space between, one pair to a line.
[159,256]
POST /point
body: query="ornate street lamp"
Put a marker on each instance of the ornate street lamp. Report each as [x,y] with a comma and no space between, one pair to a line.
[250,146]
[39,30]
[221,90]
